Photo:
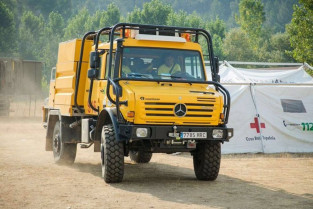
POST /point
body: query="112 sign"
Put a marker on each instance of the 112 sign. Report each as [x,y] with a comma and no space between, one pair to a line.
[307,126]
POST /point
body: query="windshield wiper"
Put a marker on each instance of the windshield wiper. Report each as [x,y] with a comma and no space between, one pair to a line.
[170,76]
[138,75]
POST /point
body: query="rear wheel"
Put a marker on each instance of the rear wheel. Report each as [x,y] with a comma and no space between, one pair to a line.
[207,160]
[63,153]
[112,156]
[140,156]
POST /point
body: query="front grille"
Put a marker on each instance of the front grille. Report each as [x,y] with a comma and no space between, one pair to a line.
[194,110]
[204,99]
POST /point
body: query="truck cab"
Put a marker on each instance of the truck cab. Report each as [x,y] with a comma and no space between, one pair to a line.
[143,90]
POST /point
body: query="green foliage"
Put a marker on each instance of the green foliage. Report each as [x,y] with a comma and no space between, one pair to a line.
[237,46]
[182,19]
[178,19]
[273,49]
[32,29]
[278,13]
[217,27]
[112,15]
[134,16]
[154,12]
[44,7]
[31,35]
[218,46]
[95,21]
[54,33]
[195,21]
[251,19]
[7,30]
[76,26]
[300,31]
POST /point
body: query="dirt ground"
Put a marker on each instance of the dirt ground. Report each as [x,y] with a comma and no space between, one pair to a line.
[30,179]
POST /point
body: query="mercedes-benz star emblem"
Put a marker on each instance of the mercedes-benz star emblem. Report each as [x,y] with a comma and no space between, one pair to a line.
[180,110]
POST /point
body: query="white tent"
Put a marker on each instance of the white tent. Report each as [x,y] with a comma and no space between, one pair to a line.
[229,74]
[271,110]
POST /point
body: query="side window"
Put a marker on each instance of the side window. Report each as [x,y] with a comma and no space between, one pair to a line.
[53,73]
[193,66]
[107,65]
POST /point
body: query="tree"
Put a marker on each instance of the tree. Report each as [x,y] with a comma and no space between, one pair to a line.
[134,16]
[251,17]
[96,21]
[178,19]
[155,12]
[31,35]
[278,13]
[76,26]
[237,47]
[7,30]
[112,15]
[217,30]
[44,7]
[300,31]
[218,46]
[217,27]
[53,34]
[195,21]
[182,19]
[275,49]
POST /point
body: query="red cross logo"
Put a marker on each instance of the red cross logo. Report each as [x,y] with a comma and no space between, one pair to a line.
[256,125]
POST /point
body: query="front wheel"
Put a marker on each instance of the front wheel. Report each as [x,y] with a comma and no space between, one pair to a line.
[112,156]
[140,156]
[207,160]
[63,153]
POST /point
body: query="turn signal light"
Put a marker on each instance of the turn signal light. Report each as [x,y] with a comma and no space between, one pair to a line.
[222,116]
[127,33]
[130,114]
[186,36]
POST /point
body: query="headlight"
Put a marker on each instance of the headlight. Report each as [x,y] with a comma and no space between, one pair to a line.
[217,133]
[141,132]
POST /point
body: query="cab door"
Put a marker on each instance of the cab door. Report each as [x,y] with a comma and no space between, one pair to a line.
[98,89]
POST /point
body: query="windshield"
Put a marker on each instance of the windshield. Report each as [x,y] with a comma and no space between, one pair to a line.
[162,64]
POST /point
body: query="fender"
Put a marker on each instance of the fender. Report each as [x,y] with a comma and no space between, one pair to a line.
[107,116]
[69,135]
[53,117]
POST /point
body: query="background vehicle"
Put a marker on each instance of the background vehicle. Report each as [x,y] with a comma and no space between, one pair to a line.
[18,78]
[128,106]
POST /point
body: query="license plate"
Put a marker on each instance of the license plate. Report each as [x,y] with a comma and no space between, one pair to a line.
[193,135]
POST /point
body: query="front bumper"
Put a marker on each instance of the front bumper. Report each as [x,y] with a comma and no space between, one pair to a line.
[127,132]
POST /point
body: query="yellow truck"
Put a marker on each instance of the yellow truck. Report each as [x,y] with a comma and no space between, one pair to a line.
[133,90]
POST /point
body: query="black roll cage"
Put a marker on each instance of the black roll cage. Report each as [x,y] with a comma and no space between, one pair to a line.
[111,32]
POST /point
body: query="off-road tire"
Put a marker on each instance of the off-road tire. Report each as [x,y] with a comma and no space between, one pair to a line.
[112,156]
[63,153]
[207,160]
[140,156]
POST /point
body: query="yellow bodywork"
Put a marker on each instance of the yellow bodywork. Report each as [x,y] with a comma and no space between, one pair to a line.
[64,87]
[152,102]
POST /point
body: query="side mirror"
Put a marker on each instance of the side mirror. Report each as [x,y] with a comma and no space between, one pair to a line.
[217,65]
[93,73]
[94,61]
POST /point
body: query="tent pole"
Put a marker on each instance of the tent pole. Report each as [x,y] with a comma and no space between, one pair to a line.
[257,113]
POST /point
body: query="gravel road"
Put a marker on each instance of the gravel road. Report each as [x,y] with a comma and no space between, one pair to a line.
[30,179]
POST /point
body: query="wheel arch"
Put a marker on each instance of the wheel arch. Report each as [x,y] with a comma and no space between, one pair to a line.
[53,117]
[107,116]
